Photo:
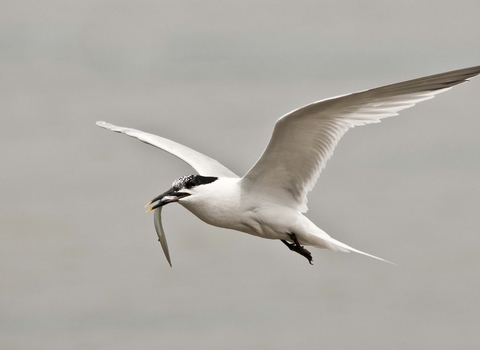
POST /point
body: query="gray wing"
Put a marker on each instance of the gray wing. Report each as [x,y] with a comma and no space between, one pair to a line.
[304,139]
[203,164]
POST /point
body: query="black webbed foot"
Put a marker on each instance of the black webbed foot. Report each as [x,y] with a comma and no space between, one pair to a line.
[296,247]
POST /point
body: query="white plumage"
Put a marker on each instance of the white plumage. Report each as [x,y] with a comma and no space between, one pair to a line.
[269,199]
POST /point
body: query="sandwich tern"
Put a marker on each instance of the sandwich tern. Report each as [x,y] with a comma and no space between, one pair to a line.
[269,200]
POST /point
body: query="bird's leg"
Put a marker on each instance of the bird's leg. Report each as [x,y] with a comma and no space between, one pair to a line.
[298,248]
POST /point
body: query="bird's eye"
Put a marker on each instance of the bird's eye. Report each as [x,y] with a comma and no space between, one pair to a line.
[190,184]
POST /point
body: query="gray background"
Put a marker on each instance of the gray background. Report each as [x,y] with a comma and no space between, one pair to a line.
[80,264]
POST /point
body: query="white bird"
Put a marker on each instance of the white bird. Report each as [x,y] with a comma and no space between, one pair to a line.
[269,200]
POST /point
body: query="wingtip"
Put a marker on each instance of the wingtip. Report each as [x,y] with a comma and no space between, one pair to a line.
[107,126]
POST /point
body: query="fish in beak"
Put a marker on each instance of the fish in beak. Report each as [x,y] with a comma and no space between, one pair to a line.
[170,196]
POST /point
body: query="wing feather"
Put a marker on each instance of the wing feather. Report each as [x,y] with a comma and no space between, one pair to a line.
[304,139]
[203,164]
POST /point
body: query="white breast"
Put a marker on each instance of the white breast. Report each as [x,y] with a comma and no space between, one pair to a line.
[217,203]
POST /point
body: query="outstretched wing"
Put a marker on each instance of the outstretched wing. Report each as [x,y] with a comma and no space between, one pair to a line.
[304,139]
[201,163]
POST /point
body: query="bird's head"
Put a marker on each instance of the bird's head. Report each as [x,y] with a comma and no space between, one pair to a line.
[182,187]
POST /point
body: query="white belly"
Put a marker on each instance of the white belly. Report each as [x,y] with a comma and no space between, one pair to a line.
[225,204]
[271,222]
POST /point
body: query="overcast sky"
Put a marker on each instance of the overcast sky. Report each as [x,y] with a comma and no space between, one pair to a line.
[80,264]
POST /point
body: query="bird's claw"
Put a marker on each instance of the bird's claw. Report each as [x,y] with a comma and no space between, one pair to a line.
[296,247]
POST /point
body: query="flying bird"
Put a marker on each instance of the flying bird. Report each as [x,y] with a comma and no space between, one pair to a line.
[268,201]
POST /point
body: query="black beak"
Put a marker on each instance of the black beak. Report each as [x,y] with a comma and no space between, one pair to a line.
[167,197]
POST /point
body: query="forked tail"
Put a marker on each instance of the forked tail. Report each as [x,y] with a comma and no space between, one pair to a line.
[333,244]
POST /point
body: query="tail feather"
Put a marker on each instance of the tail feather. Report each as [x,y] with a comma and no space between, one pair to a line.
[332,244]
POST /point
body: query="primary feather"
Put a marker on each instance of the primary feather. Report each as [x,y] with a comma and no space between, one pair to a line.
[304,139]
[201,163]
